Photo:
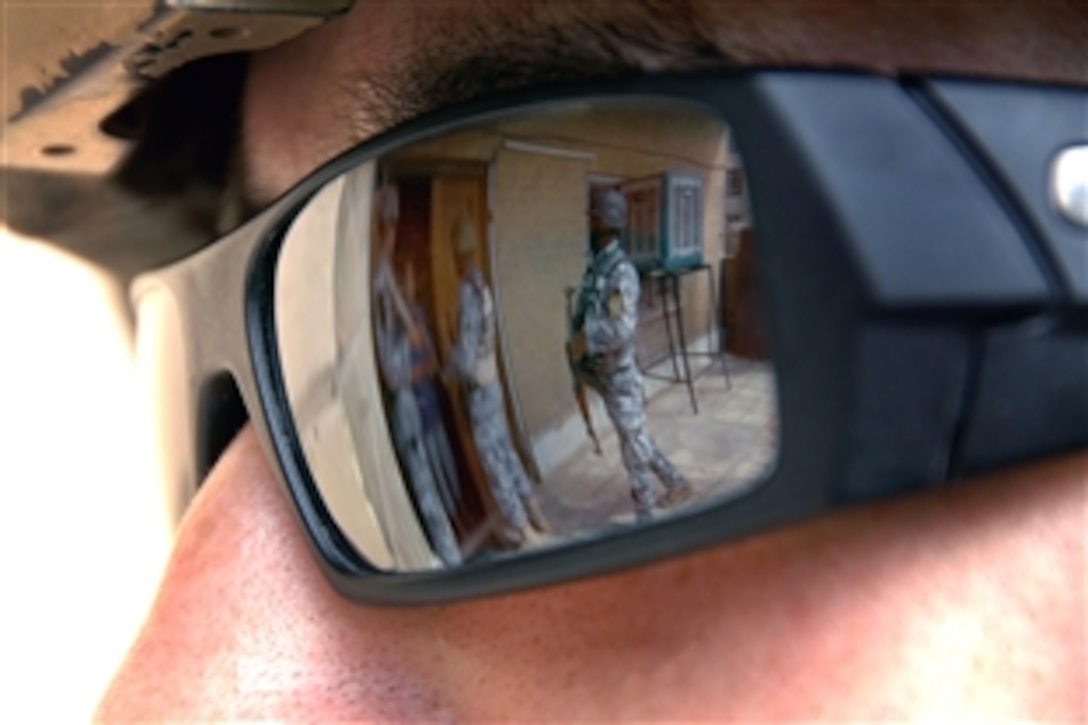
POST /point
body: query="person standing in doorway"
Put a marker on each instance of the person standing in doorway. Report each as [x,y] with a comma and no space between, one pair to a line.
[392,340]
[425,367]
[476,366]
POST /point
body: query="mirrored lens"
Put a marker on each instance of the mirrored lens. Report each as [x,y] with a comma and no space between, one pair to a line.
[529,332]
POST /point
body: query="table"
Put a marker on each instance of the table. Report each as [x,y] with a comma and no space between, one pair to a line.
[666,283]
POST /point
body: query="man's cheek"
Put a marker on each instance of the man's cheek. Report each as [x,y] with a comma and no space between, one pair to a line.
[245,624]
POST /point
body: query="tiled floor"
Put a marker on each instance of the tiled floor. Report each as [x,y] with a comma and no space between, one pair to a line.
[729,443]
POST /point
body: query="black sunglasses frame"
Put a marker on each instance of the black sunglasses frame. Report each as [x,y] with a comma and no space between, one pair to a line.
[924,303]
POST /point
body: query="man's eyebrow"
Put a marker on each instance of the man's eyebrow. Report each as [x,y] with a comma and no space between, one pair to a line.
[511,50]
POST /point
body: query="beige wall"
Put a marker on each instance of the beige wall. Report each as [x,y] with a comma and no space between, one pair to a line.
[540,232]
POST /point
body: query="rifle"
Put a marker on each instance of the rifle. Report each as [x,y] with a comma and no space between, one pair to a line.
[576,379]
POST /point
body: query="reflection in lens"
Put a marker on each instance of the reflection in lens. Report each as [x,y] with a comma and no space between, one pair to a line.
[526,338]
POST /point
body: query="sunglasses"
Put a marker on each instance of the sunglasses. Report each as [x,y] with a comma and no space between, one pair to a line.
[560,333]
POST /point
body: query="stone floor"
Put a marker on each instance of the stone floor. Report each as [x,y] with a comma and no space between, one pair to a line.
[721,450]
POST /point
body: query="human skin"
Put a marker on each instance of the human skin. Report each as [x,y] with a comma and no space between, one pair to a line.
[967,601]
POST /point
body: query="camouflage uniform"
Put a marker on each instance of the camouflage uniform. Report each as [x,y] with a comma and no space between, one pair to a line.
[394,352]
[435,440]
[607,313]
[475,363]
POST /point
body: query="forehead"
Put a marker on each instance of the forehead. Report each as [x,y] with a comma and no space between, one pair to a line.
[385,62]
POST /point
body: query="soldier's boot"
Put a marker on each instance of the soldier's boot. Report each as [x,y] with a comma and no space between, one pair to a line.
[536,516]
[677,494]
[534,537]
[511,536]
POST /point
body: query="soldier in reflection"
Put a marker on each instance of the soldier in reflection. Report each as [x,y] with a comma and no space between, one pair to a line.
[392,337]
[602,348]
[425,369]
[474,362]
